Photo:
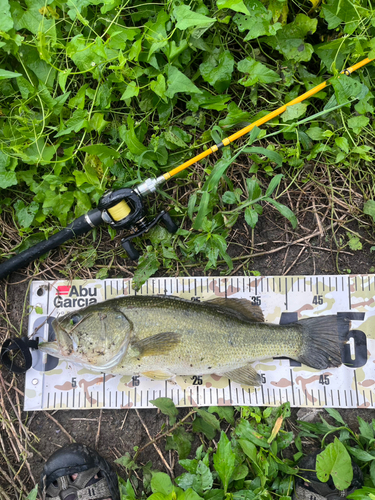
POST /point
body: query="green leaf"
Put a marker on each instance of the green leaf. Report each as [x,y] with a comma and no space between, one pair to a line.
[354,242]
[158,86]
[335,461]
[33,493]
[224,460]
[361,455]
[272,155]
[229,198]
[346,88]
[251,217]
[161,483]
[366,430]
[357,123]
[6,21]
[5,74]
[178,82]
[7,179]
[132,90]
[362,493]
[217,69]
[148,264]
[224,412]
[180,441]
[202,210]
[200,425]
[295,111]
[290,41]
[256,72]
[186,18]
[209,418]
[236,5]
[208,101]
[26,213]
[342,143]
[167,407]
[235,116]
[275,181]
[77,121]
[131,140]
[369,208]
[336,415]
[285,211]
[245,431]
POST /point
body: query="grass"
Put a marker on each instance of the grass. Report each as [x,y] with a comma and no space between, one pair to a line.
[99,95]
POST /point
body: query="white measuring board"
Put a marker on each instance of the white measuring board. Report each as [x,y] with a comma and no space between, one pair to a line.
[52,384]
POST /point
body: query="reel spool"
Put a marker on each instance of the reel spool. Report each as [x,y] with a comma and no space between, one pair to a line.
[124,209]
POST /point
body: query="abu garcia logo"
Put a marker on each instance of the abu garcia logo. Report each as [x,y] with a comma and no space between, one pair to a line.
[73,296]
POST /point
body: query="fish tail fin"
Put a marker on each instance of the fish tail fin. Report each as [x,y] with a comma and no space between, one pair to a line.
[321,347]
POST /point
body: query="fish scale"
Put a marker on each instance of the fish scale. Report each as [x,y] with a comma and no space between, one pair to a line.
[282,299]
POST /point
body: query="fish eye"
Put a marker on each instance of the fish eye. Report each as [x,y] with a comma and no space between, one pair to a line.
[75,319]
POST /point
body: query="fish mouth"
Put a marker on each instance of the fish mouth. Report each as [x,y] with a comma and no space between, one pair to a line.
[49,347]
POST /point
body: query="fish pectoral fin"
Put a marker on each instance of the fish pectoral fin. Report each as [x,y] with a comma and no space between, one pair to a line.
[160,343]
[245,375]
[239,306]
[158,374]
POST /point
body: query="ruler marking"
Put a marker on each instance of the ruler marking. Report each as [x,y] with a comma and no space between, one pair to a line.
[178,395]
[230,392]
[338,398]
[197,394]
[262,394]
[286,395]
[320,403]
[280,396]
[330,286]
[261,285]
[48,400]
[298,285]
[274,396]
[60,399]
[158,287]
[97,399]
[256,396]
[346,400]
[73,397]
[304,284]
[323,284]
[351,396]
[286,295]
[356,386]
[312,397]
[268,394]
[223,396]
[311,284]
[292,283]
[105,291]
[364,399]
[225,289]
[195,287]
[355,282]
[332,398]
[110,399]
[122,398]
[292,384]
[79,399]
[204,396]
[317,286]
[210,396]
[249,395]
[256,286]
[176,285]
[116,405]
[371,397]
[185,397]
[54,399]
[363,285]
[349,294]
[103,389]
[135,396]
[325,395]
[299,397]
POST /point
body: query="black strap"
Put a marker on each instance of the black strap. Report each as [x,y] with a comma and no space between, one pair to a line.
[13,346]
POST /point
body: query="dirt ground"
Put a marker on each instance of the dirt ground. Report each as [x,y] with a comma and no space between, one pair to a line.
[273,249]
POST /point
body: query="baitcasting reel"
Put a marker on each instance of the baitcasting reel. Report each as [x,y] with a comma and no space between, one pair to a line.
[124,209]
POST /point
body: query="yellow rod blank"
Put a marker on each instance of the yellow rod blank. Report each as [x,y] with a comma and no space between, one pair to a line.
[262,121]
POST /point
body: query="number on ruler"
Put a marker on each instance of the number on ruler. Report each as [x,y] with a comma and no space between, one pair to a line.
[318,300]
[359,337]
[74,382]
[197,380]
[135,380]
[324,379]
[263,378]
[256,300]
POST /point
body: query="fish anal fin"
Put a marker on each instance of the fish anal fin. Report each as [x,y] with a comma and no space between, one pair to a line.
[161,343]
[239,306]
[158,374]
[246,375]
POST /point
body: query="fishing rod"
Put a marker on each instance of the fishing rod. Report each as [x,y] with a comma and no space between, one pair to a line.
[124,208]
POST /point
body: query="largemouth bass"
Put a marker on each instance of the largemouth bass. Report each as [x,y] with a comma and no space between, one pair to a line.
[160,337]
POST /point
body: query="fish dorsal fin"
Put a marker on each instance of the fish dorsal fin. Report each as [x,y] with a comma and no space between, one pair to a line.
[239,306]
[245,375]
[161,343]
